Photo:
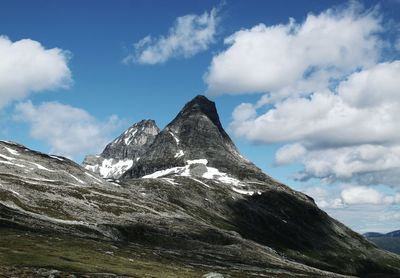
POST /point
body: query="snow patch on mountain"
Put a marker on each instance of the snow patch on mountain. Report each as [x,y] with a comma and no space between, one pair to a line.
[126,150]
[111,168]
[199,181]
[14,164]
[196,168]
[170,181]
[175,138]
[11,151]
[131,136]
[245,192]
[56,157]
[197,161]
[75,178]
[6,157]
[179,154]
[40,167]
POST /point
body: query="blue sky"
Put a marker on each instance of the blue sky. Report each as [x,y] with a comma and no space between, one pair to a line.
[308,90]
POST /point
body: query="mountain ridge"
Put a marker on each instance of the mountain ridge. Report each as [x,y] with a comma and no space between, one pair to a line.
[195,133]
[207,210]
[120,154]
[389,241]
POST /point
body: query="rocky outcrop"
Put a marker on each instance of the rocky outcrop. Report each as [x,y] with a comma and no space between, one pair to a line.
[133,142]
[122,153]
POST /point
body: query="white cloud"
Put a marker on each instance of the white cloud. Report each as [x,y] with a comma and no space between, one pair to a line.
[340,196]
[368,218]
[378,85]
[68,130]
[289,154]
[330,99]
[392,216]
[364,195]
[363,208]
[293,58]
[190,35]
[368,164]
[27,67]
[324,198]
[351,133]
[353,163]
[243,112]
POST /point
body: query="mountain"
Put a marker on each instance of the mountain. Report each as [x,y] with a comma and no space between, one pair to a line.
[191,206]
[389,241]
[57,218]
[121,154]
[394,234]
[195,133]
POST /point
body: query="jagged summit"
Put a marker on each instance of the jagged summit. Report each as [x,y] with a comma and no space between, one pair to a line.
[196,133]
[119,155]
[201,105]
[131,143]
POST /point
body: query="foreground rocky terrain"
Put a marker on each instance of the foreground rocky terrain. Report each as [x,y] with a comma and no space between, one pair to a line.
[190,206]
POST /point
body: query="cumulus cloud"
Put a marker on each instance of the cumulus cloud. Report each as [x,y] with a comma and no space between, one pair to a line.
[330,97]
[289,154]
[353,132]
[294,58]
[350,195]
[27,67]
[324,198]
[363,208]
[189,35]
[343,117]
[373,87]
[365,195]
[369,164]
[68,130]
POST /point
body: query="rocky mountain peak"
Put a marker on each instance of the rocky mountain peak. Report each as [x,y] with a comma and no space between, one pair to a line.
[195,134]
[200,105]
[132,141]
[119,155]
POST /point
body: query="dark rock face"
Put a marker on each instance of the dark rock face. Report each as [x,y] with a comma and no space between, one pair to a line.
[278,220]
[119,155]
[195,133]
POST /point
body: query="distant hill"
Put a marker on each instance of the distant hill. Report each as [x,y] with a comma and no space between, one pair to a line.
[389,241]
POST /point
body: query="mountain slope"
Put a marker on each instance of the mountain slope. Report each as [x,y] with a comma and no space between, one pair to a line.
[207,210]
[50,196]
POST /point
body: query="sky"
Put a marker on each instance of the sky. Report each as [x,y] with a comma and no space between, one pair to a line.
[308,90]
